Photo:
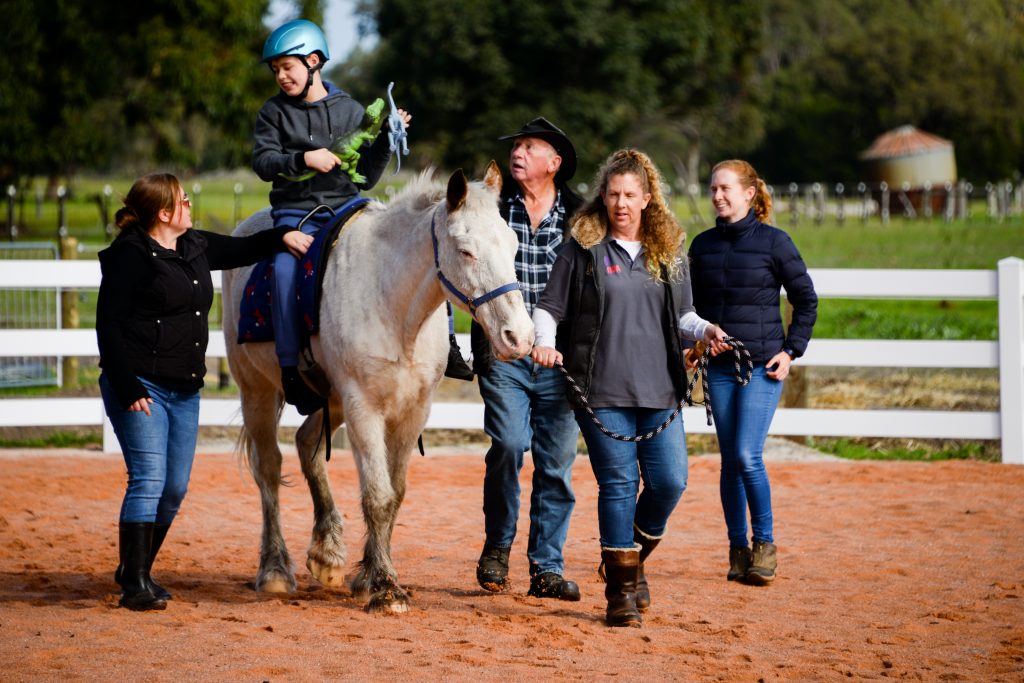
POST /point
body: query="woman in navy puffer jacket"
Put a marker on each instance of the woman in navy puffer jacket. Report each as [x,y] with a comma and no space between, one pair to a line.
[736,269]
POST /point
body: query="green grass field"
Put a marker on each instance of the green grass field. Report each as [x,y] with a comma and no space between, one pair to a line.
[977,242]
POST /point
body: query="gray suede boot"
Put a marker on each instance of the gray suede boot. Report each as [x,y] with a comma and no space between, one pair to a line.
[739,563]
[763,564]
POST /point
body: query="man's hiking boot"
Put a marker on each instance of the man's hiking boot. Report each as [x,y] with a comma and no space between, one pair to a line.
[492,568]
[553,585]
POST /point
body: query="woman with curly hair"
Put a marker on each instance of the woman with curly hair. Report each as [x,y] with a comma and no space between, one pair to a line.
[615,310]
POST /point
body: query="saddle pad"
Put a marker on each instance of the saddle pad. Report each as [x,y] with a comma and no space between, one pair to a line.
[256,315]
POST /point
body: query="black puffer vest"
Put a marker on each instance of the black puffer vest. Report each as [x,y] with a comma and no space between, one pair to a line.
[581,326]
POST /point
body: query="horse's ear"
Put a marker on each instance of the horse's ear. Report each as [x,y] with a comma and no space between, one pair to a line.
[492,179]
[456,190]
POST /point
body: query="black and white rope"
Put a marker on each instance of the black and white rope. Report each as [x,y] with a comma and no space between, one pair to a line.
[741,357]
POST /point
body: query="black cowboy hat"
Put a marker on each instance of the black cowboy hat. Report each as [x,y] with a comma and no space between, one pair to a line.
[541,128]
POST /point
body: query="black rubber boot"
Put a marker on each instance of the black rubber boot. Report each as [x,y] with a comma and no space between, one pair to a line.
[457,367]
[492,568]
[622,567]
[298,393]
[552,585]
[136,540]
[159,534]
[647,546]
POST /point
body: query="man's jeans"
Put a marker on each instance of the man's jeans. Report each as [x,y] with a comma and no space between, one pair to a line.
[619,466]
[525,407]
[742,417]
[158,450]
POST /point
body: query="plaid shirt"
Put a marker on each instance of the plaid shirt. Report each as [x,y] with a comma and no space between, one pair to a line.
[537,250]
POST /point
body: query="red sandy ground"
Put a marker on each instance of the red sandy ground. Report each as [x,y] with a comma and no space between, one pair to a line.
[888,570]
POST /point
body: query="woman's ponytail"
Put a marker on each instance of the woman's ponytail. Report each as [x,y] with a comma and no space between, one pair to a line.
[745,173]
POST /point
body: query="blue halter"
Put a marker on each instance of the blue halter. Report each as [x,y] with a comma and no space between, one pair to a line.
[471,304]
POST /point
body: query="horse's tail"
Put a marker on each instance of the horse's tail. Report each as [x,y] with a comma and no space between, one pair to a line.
[247,453]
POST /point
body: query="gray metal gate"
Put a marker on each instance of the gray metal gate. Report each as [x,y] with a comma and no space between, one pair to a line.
[29,309]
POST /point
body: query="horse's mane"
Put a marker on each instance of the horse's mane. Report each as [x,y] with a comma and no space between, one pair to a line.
[419,194]
[423,192]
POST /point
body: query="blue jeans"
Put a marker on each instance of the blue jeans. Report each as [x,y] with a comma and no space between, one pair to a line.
[158,450]
[525,407]
[742,417]
[619,465]
[284,290]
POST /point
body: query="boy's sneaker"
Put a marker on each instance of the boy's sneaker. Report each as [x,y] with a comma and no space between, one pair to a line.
[457,367]
[298,393]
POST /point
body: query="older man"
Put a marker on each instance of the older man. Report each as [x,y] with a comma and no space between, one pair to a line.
[525,405]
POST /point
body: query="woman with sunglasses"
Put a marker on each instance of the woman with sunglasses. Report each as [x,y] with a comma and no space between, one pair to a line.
[151,324]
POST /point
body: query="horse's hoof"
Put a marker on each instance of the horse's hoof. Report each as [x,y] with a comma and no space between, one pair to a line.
[389,601]
[328,575]
[275,584]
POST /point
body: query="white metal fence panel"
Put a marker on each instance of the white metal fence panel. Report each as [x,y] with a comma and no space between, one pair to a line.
[1006,284]
[29,308]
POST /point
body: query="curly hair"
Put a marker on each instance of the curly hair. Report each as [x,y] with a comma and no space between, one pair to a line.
[762,201]
[660,233]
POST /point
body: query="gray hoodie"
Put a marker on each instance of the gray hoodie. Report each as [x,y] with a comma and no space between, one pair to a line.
[287,127]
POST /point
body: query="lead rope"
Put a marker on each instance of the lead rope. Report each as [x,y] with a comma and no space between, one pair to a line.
[740,357]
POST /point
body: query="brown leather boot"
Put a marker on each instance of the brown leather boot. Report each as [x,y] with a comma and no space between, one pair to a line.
[622,567]
[647,546]
[763,564]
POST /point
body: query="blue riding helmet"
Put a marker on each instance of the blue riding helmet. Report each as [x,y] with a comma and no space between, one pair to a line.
[299,38]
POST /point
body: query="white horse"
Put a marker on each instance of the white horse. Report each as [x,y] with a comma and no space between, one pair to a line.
[383,342]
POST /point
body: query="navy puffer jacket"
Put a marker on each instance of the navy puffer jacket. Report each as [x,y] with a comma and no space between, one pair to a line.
[736,270]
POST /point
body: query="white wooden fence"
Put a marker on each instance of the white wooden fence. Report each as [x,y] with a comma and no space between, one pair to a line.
[1005,284]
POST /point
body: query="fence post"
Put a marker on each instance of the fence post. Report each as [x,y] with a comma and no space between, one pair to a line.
[12,229]
[62,216]
[108,226]
[884,206]
[110,443]
[840,203]
[197,191]
[69,313]
[1011,359]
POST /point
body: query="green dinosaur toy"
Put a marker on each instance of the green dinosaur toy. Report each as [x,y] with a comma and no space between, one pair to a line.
[346,148]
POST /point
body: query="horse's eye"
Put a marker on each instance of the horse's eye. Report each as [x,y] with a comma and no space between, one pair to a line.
[466,253]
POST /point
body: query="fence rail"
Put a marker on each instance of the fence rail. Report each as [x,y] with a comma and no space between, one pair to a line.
[1006,284]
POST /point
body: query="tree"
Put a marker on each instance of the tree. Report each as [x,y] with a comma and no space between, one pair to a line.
[841,73]
[94,84]
[610,73]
